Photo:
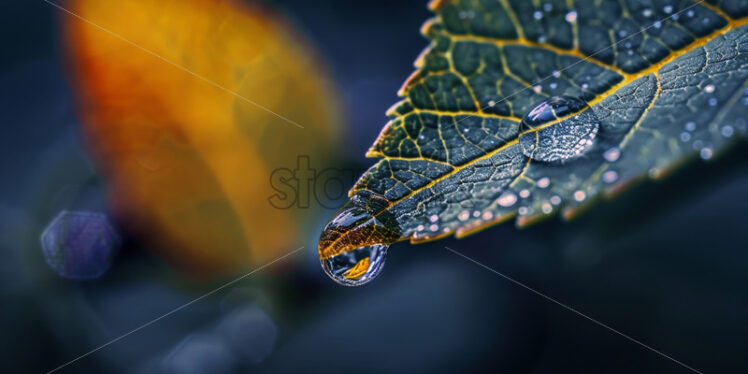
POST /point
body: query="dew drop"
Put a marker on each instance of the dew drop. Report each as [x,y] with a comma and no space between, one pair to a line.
[551,132]
[571,17]
[684,136]
[553,85]
[537,88]
[585,86]
[667,9]
[709,88]
[433,218]
[622,33]
[612,154]
[675,17]
[657,24]
[522,210]
[556,73]
[538,15]
[487,216]
[579,195]
[491,103]
[464,215]
[547,7]
[547,208]
[555,199]
[690,126]
[434,227]
[610,176]
[705,153]
[356,267]
[690,13]
[419,228]
[647,12]
[507,199]
[713,101]
[445,230]
[476,213]
[524,193]
[544,182]
[727,131]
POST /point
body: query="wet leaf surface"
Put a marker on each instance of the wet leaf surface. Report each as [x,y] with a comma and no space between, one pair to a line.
[522,109]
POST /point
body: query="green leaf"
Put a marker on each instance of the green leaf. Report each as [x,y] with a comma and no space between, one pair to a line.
[524,109]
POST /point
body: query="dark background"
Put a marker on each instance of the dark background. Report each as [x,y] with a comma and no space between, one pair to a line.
[665,263]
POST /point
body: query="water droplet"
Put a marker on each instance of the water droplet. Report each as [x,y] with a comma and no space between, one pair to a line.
[434,227]
[537,88]
[684,136]
[419,228]
[476,213]
[622,33]
[491,103]
[705,153]
[464,215]
[713,101]
[690,13]
[524,193]
[553,85]
[542,38]
[705,21]
[356,267]
[612,154]
[433,218]
[507,199]
[610,176]
[555,199]
[546,208]
[585,86]
[727,131]
[647,12]
[544,182]
[709,88]
[675,17]
[690,126]
[445,230]
[523,210]
[538,15]
[667,9]
[571,17]
[657,24]
[551,131]
[547,7]
[487,215]
[556,73]
[580,195]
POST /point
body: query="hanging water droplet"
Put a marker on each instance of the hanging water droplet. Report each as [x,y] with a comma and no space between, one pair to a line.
[551,132]
[356,267]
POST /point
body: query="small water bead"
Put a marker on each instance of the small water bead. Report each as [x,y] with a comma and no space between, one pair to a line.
[555,199]
[709,88]
[547,7]
[580,195]
[622,33]
[487,215]
[537,88]
[556,73]
[445,230]
[667,9]
[356,267]
[434,227]
[547,208]
[419,228]
[684,136]
[697,144]
[476,213]
[585,86]
[657,24]
[675,17]
[690,13]
[690,126]
[538,15]
[464,215]
[491,103]
[706,153]
[544,182]
[507,199]
[524,193]
[713,101]
[523,210]
[612,154]
[647,12]
[553,85]
[571,17]
[433,218]
[727,131]
[610,176]
[559,134]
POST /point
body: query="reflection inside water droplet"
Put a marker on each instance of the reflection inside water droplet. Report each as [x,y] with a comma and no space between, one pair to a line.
[356,267]
[551,132]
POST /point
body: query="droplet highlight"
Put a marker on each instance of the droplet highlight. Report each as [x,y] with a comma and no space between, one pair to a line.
[356,267]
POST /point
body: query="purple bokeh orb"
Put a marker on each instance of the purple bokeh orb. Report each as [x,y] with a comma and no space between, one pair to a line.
[79,245]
